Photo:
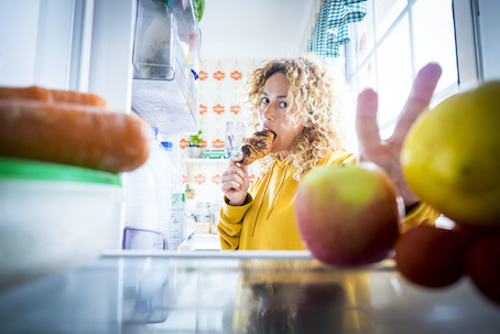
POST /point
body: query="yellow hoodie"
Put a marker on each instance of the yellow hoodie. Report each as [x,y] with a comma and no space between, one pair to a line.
[266,221]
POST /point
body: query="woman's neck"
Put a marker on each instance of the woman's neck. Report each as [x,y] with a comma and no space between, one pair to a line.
[284,154]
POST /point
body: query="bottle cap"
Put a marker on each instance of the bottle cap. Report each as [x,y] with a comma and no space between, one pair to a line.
[167,145]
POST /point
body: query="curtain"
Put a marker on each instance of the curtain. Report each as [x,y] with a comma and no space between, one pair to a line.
[331,29]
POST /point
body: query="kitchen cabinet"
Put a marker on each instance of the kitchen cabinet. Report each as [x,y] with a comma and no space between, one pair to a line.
[239,292]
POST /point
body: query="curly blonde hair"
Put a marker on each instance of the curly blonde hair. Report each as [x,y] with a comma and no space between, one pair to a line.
[315,93]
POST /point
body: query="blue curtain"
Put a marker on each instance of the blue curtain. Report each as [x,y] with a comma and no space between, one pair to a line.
[332,26]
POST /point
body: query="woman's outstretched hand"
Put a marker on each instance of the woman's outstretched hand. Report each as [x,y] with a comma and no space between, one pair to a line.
[386,153]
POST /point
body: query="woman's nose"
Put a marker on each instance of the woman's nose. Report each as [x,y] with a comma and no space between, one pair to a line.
[269,112]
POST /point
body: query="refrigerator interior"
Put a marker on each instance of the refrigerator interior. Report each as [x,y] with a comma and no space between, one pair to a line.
[66,45]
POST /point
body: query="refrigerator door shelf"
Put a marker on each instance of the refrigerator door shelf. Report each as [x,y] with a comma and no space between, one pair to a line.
[163,86]
[170,106]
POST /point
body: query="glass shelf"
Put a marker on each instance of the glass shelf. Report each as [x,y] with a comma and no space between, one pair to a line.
[239,292]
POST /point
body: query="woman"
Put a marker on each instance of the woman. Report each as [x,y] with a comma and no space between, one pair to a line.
[296,99]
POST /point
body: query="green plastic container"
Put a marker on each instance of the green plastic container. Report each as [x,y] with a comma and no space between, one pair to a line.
[54,217]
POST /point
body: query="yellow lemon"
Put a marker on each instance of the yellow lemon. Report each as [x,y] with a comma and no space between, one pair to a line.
[451,156]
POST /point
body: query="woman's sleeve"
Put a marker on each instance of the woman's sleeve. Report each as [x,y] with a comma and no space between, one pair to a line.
[229,224]
[423,213]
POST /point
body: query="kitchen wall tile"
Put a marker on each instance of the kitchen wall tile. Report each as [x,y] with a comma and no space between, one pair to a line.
[220,95]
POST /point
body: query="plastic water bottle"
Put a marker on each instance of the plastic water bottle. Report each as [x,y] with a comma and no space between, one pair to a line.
[172,172]
[163,166]
[171,175]
[141,204]
[175,168]
[176,230]
[176,222]
[141,197]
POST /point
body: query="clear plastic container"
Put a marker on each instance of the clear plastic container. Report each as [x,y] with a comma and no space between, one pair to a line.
[187,27]
[155,34]
[163,86]
[216,207]
[203,213]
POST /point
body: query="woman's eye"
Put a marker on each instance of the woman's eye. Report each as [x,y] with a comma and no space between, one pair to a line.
[283,104]
[264,100]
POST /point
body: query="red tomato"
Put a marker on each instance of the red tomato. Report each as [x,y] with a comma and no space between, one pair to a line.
[477,230]
[431,256]
[482,264]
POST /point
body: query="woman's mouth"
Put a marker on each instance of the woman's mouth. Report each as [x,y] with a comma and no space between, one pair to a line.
[272,133]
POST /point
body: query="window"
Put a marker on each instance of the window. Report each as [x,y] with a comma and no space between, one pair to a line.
[394,40]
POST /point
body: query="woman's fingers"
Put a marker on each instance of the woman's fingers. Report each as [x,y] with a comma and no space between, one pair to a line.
[421,94]
[234,183]
[366,120]
[235,178]
[232,172]
[366,115]
[235,159]
[230,185]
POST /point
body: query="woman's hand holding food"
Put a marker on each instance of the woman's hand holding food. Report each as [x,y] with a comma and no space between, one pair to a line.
[234,181]
[386,153]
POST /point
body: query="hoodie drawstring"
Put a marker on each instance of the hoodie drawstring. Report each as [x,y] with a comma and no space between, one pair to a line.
[278,192]
[254,223]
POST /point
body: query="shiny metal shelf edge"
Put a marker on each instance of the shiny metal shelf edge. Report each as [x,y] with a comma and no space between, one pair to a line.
[275,255]
[283,257]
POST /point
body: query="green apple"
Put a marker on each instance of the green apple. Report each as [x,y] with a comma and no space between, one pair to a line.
[348,215]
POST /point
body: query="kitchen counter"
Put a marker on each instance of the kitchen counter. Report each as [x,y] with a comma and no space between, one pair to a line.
[201,242]
[238,292]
